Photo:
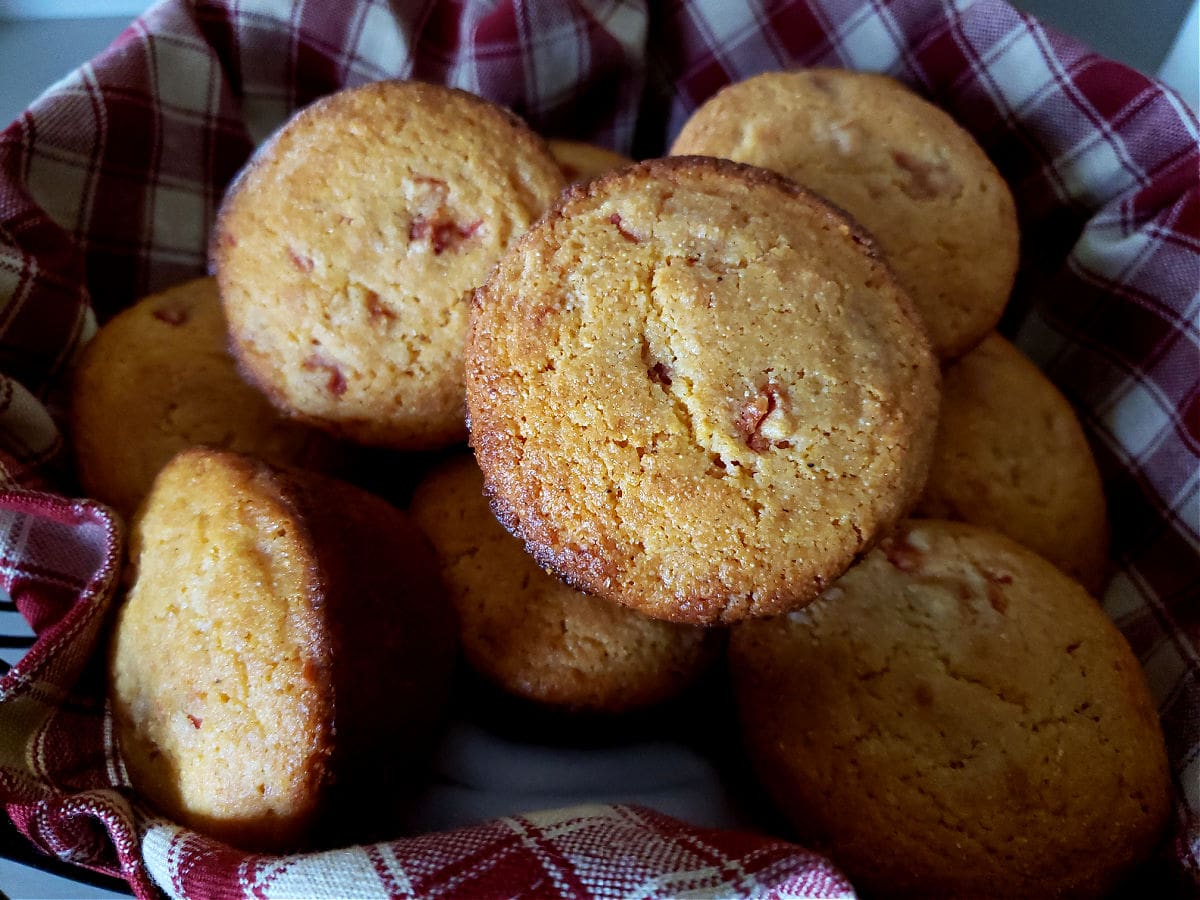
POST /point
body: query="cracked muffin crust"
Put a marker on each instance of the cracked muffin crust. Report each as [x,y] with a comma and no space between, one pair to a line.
[694,389]
[283,655]
[1011,455]
[957,718]
[348,248]
[531,634]
[157,379]
[902,167]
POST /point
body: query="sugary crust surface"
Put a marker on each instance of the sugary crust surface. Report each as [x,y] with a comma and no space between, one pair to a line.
[580,161]
[957,718]
[157,379]
[533,635]
[349,246]
[1011,455]
[916,180]
[694,389]
[218,657]
[282,658]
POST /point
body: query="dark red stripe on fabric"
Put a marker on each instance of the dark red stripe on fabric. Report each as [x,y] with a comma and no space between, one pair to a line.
[796,30]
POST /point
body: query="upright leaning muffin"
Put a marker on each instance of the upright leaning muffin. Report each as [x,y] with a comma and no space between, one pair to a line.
[1011,455]
[957,718]
[348,248]
[531,634]
[902,167]
[158,379]
[695,389]
[283,655]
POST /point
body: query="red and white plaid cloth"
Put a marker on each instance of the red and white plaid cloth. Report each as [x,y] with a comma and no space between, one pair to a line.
[108,188]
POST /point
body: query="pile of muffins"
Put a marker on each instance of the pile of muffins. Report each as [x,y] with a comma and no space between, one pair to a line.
[743,401]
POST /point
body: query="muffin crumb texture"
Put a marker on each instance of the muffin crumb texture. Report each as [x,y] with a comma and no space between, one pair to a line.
[957,718]
[695,389]
[348,248]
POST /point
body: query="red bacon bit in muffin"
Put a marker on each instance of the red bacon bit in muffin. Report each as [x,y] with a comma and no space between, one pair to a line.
[926,180]
[377,310]
[630,236]
[441,233]
[172,315]
[300,261]
[903,555]
[995,581]
[336,384]
[754,412]
[660,374]
[196,722]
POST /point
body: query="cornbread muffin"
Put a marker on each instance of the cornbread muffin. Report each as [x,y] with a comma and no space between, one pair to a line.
[282,656]
[157,379]
[957,718]
[695,389]
[1011,455]
[531,634]
[902,167]
[580,161]
[348,248]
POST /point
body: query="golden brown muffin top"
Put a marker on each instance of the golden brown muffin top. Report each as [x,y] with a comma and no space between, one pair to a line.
[157,379]
[349,246]
[694,388]
[902,167]
[957,683]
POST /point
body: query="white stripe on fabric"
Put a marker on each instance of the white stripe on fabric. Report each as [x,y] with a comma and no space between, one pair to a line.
[56,184]
[1122,598]
[723,23]
[178,220]
[346,873]
[558,54]
[280,10]
[14,536]
[11,267]
[383,43]
[624,20]
[530,840]
[1093,172]
[867,44]
[1136,420]
[1017,71]
[185,73]
[1116,255]
[1187,503]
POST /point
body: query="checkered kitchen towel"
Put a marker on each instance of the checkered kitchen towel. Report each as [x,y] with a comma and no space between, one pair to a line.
[108,187]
